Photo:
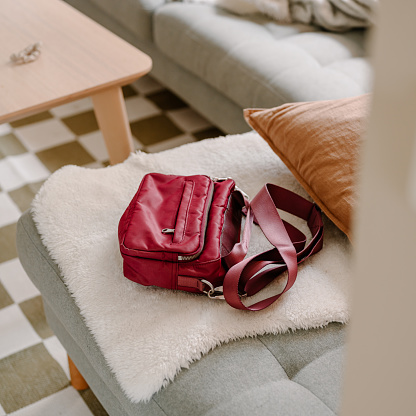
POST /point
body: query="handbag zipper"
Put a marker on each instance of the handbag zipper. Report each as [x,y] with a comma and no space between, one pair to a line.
[189,258]
[204,228]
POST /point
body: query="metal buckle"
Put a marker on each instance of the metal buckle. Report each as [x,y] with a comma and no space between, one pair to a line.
[213,293]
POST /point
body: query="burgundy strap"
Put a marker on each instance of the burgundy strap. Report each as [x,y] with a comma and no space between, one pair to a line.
[251,275]
[239,250]
[185,281]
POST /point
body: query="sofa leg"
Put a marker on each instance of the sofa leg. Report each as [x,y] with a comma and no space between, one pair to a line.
[77,381]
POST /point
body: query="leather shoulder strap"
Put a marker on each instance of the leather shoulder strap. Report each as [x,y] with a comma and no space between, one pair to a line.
[249,276]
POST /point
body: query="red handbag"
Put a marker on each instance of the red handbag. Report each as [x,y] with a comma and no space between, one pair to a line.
[183,233]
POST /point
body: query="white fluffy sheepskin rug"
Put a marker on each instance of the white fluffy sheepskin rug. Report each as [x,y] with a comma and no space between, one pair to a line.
[148,334]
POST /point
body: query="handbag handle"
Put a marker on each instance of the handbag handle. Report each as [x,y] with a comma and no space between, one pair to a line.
[249,275]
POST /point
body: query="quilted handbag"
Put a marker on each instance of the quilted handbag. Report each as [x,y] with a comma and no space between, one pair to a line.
[185,233]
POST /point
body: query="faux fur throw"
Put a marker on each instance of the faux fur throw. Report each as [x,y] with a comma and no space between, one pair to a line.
[148,334]
[333,15]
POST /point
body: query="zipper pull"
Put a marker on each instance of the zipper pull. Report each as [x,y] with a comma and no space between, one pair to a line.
[168,231]
[219,179]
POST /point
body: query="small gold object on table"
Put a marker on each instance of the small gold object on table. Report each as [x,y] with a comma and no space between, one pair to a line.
[29,54]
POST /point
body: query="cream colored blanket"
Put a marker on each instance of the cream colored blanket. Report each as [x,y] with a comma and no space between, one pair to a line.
[333,15]
[148,334]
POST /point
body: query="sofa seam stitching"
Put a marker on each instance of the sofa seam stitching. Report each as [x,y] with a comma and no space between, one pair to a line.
[268,349]
[159,406]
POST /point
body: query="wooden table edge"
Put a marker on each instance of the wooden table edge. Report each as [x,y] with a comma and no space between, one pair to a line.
[47,105]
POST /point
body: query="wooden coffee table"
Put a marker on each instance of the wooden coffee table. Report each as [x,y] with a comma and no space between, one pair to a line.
[79,58]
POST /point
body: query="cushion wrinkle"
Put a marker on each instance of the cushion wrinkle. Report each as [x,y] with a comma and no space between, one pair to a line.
[338,71]
[235,61]
[341,49]
[293,376]
[296,350]
[268,349]
[310,391]
[319,65]
[281,397]
[348,67]
[231,54]
[327,370]
[256,78]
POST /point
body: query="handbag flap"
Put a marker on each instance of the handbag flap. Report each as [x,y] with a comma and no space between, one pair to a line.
[167,217]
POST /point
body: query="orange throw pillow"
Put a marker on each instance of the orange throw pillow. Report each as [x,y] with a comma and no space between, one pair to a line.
[319,142]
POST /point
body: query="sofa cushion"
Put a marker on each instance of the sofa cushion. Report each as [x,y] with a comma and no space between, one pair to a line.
[135,15]
[257,62]
[319,143]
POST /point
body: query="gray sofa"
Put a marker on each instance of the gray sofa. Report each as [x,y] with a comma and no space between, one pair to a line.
[221,63]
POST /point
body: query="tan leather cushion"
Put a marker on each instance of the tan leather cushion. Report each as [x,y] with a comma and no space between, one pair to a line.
[319,142]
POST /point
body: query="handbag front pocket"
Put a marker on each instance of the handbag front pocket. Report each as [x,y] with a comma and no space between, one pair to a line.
[168,217]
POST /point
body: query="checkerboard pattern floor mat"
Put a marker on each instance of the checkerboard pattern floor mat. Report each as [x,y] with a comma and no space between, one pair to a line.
[34,374]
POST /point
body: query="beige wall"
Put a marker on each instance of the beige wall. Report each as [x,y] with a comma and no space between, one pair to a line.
[381,363]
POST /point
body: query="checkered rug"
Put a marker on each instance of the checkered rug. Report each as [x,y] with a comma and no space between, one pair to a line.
[34,375]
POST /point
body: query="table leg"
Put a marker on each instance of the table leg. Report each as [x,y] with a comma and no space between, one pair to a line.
[77,380]
[110,111]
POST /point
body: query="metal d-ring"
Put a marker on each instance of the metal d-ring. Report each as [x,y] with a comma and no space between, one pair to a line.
[213,293]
